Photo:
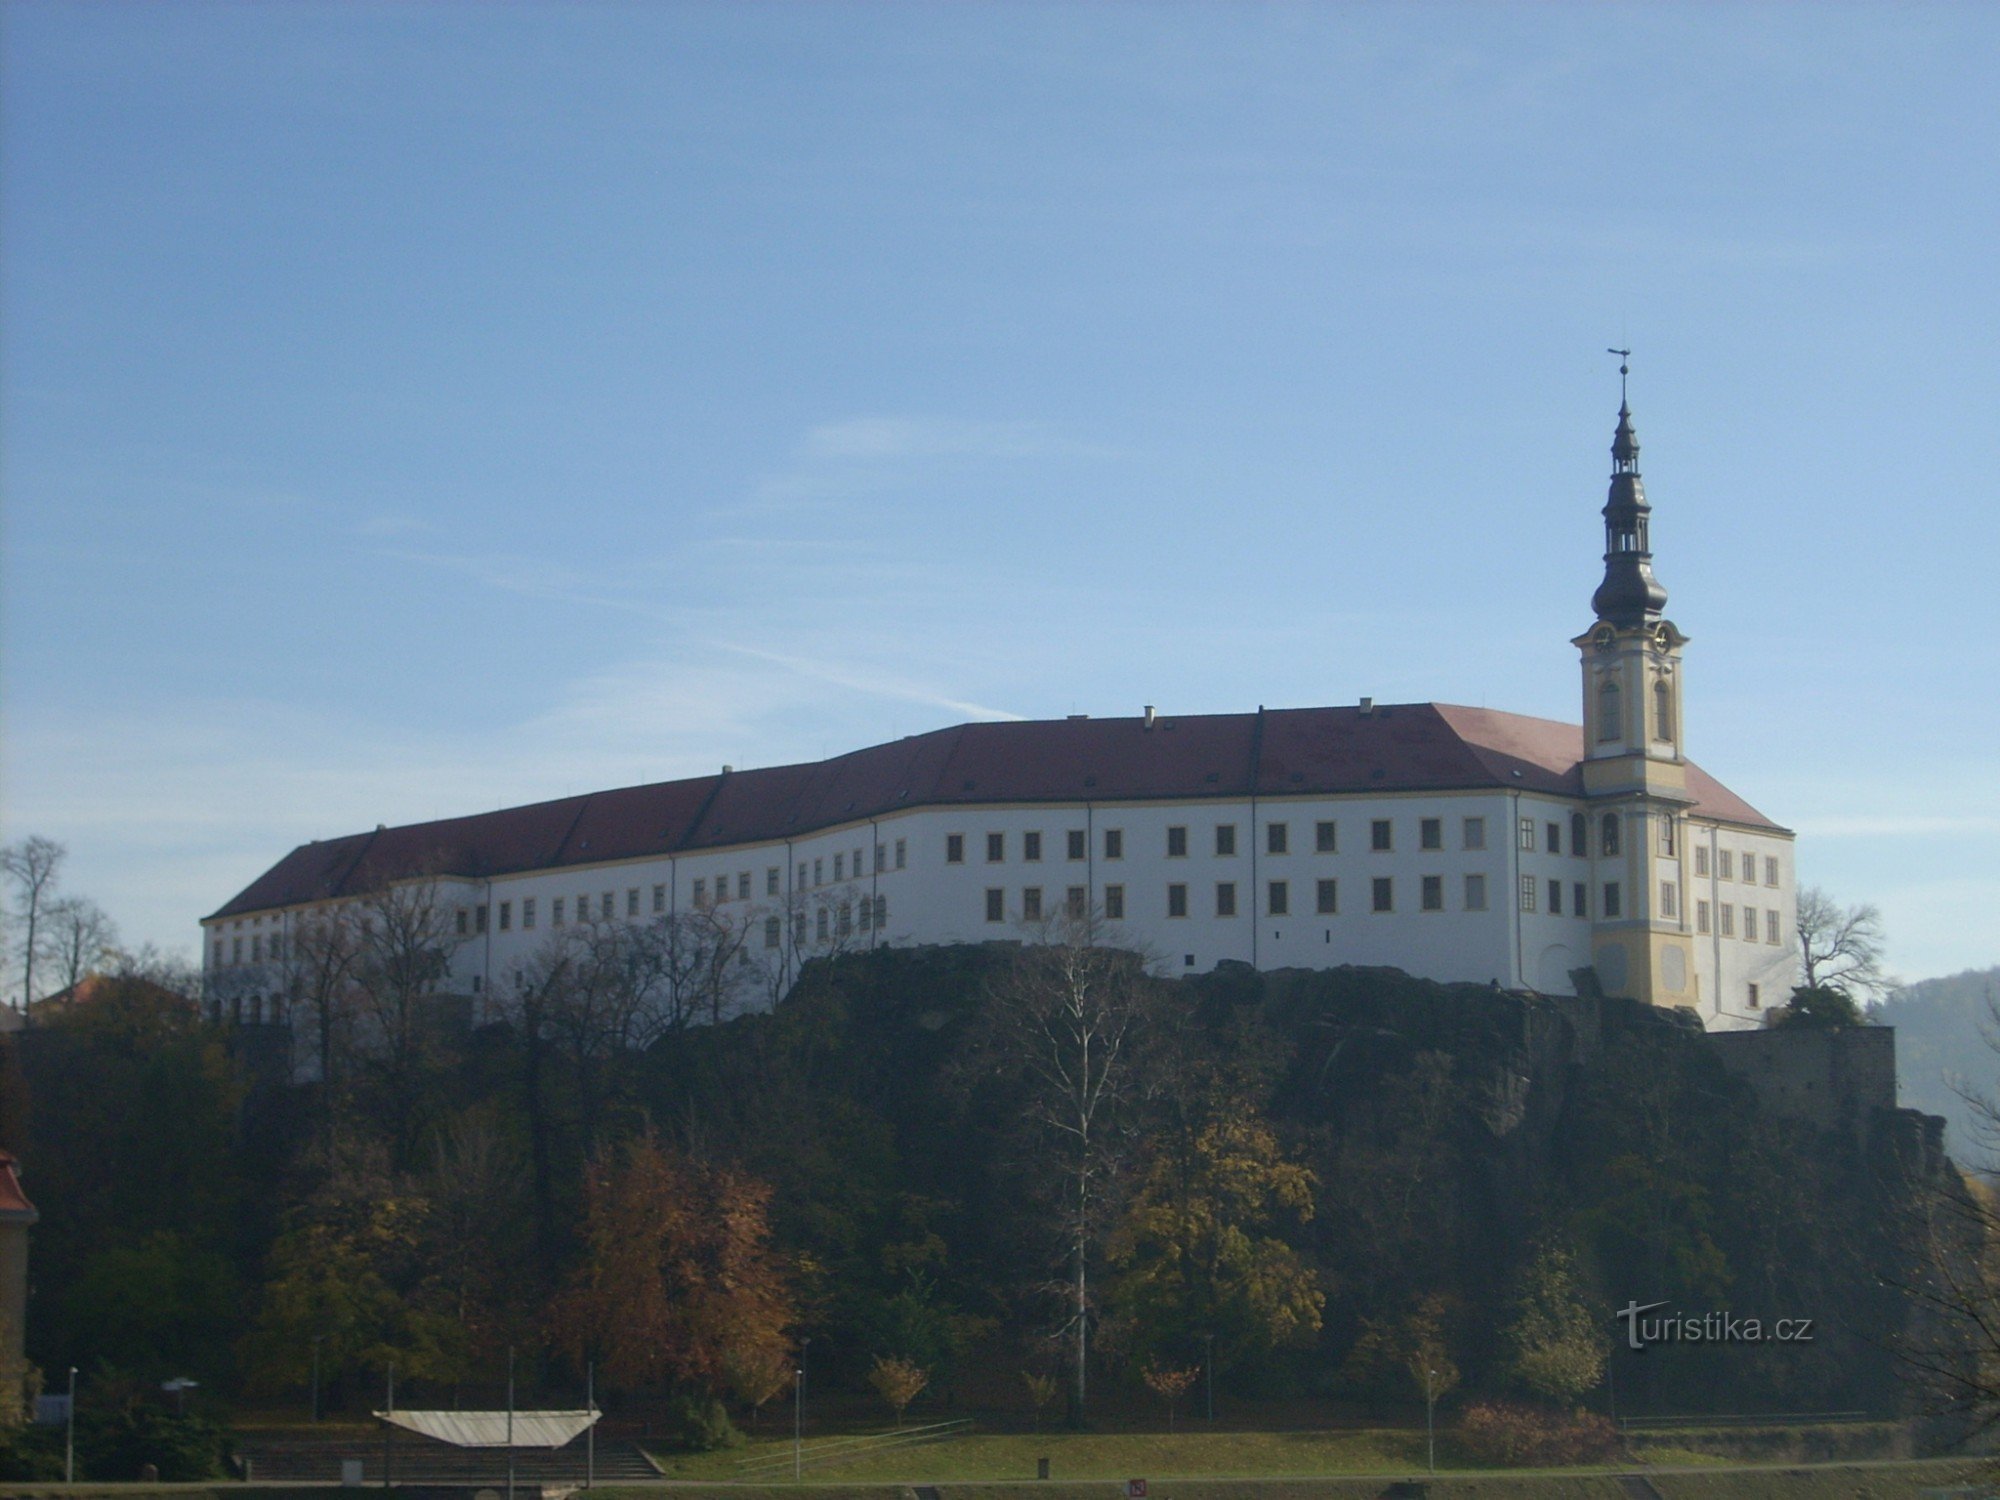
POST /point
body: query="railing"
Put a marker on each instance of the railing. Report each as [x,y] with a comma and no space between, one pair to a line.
[825,1452]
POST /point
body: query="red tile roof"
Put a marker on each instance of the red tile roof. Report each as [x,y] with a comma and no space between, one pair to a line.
[1413,747]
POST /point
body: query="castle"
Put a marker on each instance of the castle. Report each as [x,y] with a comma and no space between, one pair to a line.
[1454,843]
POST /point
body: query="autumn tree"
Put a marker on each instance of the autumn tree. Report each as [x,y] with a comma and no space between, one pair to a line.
[1202,1250]
[1409,1353]
[1066,1018]
[1170,1384]
[678,1282]
[1556,1344]
[897,1381]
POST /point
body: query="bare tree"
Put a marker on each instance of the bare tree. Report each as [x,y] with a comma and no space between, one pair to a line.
[79,939]
[324,957]
[1066,1018]
[1841,947]
[32,868]
[405,951]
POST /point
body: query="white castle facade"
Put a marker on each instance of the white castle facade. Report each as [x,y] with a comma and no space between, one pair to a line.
[1454,843]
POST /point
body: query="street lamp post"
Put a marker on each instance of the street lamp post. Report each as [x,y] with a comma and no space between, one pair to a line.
[798,1421]
[69,1435]
[1430,1419]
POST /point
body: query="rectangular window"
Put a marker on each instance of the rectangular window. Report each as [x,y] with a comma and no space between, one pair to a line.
[700,897]
[1771,925]
[659,899]
[742,890]
[1725,916]
[1077,903]
[1579,836]
[1225,840]
[1079,844]
[902,854]
[819,872]
[1667,835]
[825,924]
[996,848]
[839,870]
[1278,898]
[1725,864]
[607,904]
[1379,836]
[1670,901]
[1770,869]
[479,919]
[556,911]
[881,912]
[1555,837]
[773,880]
[1383,894]
[1555,898]
[996,904]
[1177,842]
[1431,897]
[1177,900]
[1430,833]
[506,916]
[1225,898]
[632,902]
[1579,899]
[1326,836]
[1473,833]
[461,928]
[1528,889]
[1277,838]
[771,932]
[528,912]
[802,874]
[1749,924]
[1114,903]
[1527,834]
[881,858]
[954,848]
[1031,846]
[1114,843]
[856,866]
[236,950]
[1326,897]
[257,945]
[1755,998]
[1613,904]
[1702,916]
[1701,859]
[1031,904]
[1475,893]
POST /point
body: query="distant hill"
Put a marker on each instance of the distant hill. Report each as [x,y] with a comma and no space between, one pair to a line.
[1940,1040]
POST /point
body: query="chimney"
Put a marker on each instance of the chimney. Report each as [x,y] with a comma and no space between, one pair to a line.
[727,769]
[1149,716]
[1367,707]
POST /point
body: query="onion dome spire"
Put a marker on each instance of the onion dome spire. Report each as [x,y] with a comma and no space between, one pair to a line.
[1630,595]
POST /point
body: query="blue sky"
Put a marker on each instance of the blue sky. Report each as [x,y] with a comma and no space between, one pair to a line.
[413,409]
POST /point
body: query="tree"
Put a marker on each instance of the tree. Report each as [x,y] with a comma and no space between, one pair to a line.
[1041,1391]
[1841,947]
[1822,1006]
[32,868]
[325,956]
[678,1283]
[1200,1253]
[1557,1346]
[1169,1384]
[404,956]
[897,1381]
[80,937]
[1410,1353]
[1066,1017]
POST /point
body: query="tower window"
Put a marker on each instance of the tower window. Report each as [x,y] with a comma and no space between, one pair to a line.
[1614,900]
[1669,901]
[1663,710]
[1610,845]
[1608,710]
[1579,835]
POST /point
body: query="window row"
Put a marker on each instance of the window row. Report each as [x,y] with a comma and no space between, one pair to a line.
[1724,924]
[1225,898]
[1224,842]
[1726,865]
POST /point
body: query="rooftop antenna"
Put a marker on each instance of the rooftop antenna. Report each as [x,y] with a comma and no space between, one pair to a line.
[1624,368]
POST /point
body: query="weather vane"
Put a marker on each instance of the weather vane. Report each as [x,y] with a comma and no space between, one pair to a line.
[1624,356]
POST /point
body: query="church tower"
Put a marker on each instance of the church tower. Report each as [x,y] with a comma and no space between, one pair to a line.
[1634,767]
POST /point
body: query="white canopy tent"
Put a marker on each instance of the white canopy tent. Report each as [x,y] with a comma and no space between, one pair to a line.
[489,1429]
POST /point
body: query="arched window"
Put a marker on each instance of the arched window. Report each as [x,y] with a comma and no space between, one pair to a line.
[1609,710]
[1610,833]
[1663,710]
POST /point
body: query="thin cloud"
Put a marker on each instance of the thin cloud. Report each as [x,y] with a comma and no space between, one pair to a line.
[874,684]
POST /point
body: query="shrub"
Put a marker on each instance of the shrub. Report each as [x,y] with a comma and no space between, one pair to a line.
[1506,1434]
[700,1424]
